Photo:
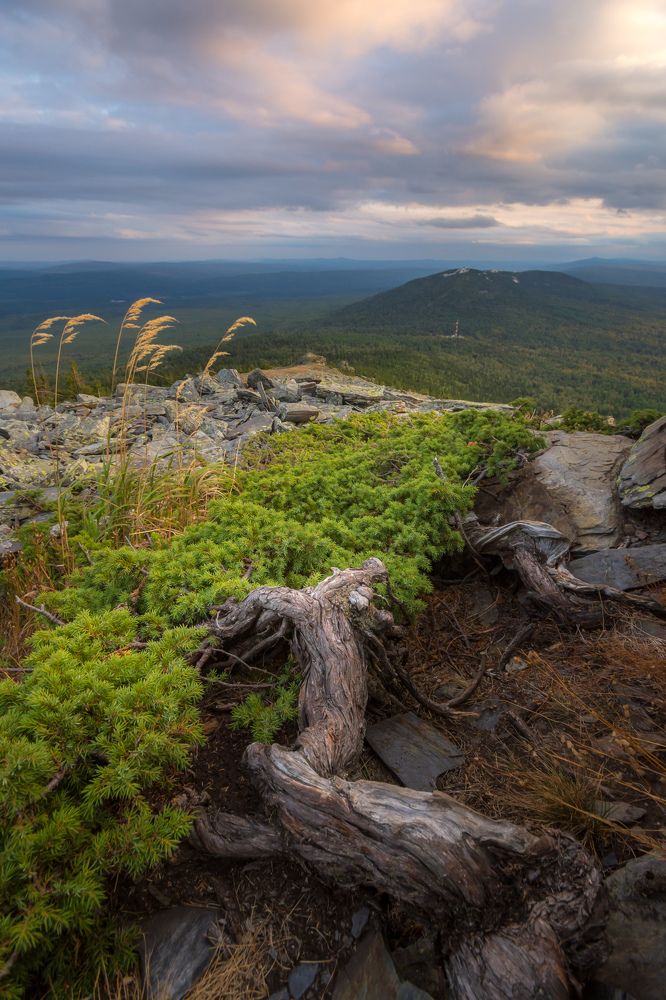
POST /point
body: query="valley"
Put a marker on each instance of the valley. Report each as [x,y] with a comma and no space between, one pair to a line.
[543,334]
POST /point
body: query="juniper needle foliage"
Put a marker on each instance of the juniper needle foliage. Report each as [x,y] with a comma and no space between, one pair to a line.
[107,710]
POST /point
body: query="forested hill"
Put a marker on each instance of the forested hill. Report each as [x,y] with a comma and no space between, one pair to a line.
[523,307]
[544,334]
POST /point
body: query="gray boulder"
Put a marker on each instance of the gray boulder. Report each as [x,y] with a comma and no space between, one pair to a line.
[286,392]
[571,485]
[9,398]
[185,391]
[207,384]
[257,378]
[299,413]
[642,480]
[190,419]
[624,569]
[9,544]
[253,425]
[228,378]
[21,433]
[637,929]
[138,393]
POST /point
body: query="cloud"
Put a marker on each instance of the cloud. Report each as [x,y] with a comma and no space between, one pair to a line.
[230,123]
[463,222]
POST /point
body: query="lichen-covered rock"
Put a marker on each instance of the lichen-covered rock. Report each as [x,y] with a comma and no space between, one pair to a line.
[206,416]
[355,391]
[21,433]
[642,481]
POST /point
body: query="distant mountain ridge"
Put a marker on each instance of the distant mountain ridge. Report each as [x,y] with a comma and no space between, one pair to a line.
[519,306]
[640,273]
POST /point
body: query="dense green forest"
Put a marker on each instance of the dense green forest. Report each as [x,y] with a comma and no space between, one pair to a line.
[543,334]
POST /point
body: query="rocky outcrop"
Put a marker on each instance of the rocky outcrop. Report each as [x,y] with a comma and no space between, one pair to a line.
[571,485]
[642,480]
[209,416]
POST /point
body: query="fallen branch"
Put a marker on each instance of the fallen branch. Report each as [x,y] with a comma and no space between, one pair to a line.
[537,552]
[519,638]
[40,611]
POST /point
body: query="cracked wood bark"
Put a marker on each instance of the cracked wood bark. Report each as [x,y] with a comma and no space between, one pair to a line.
[519,908]
[538,553]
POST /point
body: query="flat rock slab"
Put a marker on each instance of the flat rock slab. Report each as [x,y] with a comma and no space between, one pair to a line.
[624,569]
[299,413]
[413,750]
[177,948]
[370,975]
[301,978]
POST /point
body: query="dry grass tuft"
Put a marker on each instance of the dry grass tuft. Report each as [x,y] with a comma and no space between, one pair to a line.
[240,971]
[137,504]
[564,798]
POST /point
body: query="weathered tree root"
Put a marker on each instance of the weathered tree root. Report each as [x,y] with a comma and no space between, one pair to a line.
[520,910]
[538,554]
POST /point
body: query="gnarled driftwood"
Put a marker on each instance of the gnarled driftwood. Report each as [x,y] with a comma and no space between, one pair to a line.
[520,910]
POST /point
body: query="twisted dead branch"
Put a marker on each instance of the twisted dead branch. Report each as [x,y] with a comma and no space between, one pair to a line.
[521,910]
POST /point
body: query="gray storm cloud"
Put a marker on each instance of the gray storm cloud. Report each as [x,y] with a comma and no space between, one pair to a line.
[393,123]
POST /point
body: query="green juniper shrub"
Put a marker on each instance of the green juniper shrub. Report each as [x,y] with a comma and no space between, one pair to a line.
[575,418]
[91,736]
[637,421]
[265,716]
[92,727]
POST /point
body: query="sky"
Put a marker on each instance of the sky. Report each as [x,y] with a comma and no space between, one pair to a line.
[192,129]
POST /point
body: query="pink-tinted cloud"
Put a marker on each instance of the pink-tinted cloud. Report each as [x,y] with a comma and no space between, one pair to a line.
[388,120]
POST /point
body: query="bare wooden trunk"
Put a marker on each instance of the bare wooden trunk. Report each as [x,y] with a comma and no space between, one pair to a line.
[538,553]
[520,910]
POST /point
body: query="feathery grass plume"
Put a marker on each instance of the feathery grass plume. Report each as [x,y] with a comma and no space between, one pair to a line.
[71,327]
[68,335]
[123,484]
[40,336]
[130,321]
[229,334]
[146,346]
